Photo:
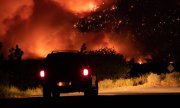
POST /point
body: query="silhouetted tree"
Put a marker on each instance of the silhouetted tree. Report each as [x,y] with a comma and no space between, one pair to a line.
[131,62]
[15,54]
[107,63]
[1,53]
[2,73]
[14,66]
[106,51]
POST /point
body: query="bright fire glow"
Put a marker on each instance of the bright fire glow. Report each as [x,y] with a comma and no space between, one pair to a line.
[140,61]
[39,31]
[85,72]
[79,6]
[143,59]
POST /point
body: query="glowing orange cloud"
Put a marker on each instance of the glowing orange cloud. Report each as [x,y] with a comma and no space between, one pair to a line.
[41,26]
[80,6]
[44,40]
[11,8]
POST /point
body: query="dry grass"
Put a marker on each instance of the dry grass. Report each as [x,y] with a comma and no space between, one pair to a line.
[107,83]
[153,80]
[14,92]
[163,80]
[149,80]
[172,79]
[10,92]
[34,92]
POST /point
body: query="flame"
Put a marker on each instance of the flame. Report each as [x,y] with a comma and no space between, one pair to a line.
[79,6]
[91,7]
[39,30]
[140,61]
[143,59]
[44,41]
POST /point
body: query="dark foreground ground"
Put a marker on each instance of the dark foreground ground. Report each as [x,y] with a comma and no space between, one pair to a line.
[121,101]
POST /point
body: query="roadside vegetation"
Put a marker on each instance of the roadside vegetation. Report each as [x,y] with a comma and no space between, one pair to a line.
[14,92]
[19,78]
[149,80]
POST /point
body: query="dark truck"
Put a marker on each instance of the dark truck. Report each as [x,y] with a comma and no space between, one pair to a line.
[68,71]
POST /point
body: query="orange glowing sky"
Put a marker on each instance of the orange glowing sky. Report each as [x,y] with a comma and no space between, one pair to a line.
[41,26]
[79,6]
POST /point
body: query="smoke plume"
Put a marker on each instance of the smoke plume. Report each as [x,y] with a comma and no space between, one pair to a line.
[41,26]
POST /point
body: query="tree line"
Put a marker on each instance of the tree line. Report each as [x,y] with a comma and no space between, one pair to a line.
[106,63]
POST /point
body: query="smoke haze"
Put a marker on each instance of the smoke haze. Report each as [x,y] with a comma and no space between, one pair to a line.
[41,26]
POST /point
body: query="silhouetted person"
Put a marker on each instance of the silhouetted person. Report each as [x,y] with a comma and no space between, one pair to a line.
[83,48]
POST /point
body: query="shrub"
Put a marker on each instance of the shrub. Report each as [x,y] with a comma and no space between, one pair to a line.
[14,92]
[171,79]
[153,79]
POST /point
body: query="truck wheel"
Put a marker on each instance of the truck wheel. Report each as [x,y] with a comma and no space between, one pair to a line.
[91,92]
[46,91]
[55,92]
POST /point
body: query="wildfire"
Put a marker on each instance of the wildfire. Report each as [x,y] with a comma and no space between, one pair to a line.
[79,6]
[143,59]
[39,31]
[140,61]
